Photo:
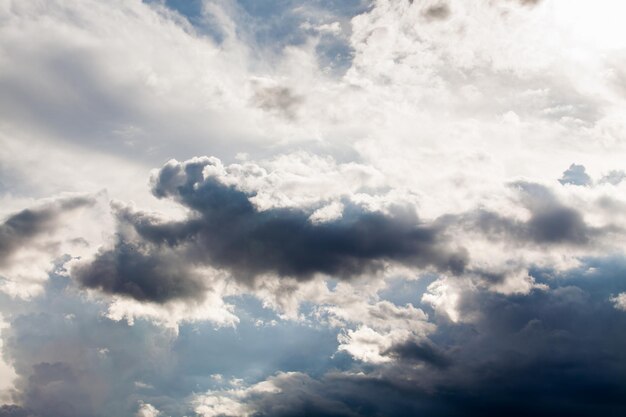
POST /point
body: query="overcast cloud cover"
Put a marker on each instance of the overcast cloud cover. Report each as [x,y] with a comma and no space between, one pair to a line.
[312,208]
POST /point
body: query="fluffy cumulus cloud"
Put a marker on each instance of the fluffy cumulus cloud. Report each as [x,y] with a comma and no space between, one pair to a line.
[359,208]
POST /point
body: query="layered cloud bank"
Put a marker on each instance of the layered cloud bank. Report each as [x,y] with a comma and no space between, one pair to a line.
[386,208]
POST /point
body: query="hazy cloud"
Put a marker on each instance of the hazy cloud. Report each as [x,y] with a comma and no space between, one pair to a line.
[21,228]
[614,177]
[439,11]
[277,99]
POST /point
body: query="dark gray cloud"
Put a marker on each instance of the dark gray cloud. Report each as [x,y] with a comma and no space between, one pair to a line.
[225,230]
[424,352]
[142,271]
[20,229]
[576,175]
[551,352]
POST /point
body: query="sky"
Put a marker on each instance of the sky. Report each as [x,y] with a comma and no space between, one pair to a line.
[250,208]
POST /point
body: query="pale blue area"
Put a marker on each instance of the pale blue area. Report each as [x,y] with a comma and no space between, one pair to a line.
[401,291]
[253,352]
[276,24]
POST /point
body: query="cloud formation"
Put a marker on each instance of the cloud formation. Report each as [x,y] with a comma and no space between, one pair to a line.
[151,260]
[234,223]
[391,231]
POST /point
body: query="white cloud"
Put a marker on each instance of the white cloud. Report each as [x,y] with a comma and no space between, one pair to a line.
[147,410]
[619,301]
[444,298]
[330,212]
[233,401]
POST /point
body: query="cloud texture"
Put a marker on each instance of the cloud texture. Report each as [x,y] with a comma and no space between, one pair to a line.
[413,208]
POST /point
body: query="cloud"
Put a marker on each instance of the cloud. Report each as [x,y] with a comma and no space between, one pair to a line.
[71,359]
[614,177]
[529,2]
[66,89]
[147,410]
[549,351]
[142,272]
[152,260]
[420,352]
[280,100]
[619,301]
[367,247]
[14,411]
[438,11]
[238,220]
[274,397]
[21,229]
[33,239]
[550,223]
